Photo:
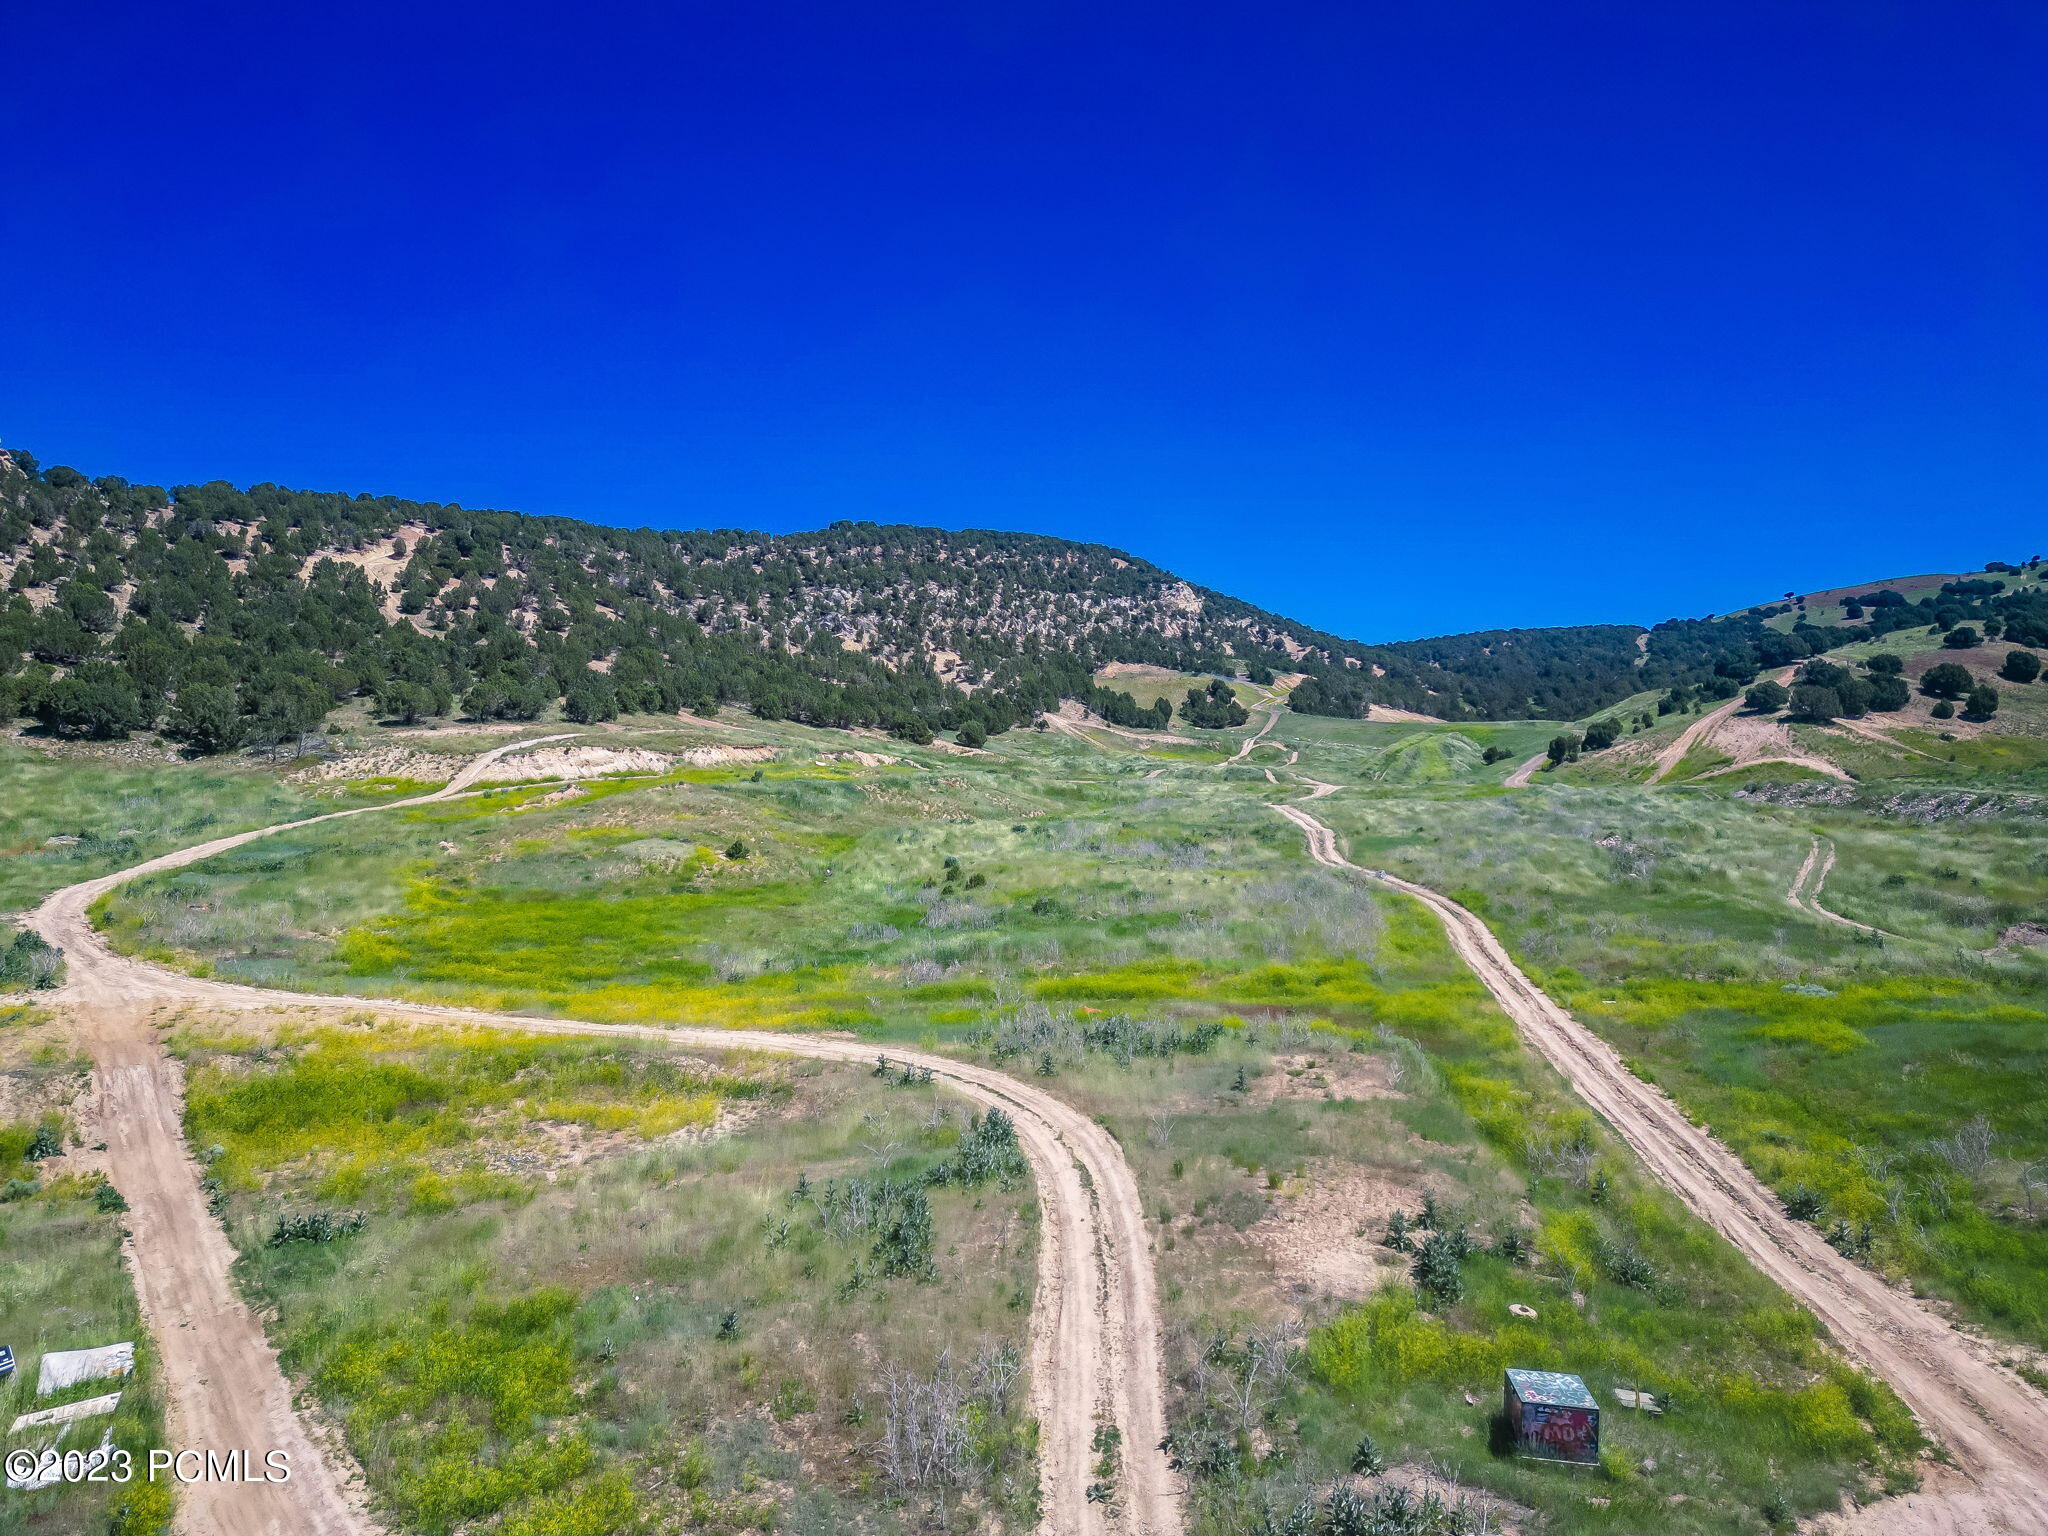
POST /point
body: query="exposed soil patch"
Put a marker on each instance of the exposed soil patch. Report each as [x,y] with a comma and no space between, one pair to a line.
[1324,1078]
[1072,718]
[376,562]
[555,1147]
[29,1093]
[1137,669]
[581,762]
[595,762]
[717,725]
[560,796]
[1701,729]
[1322,1230]
[382,763]
[1983,661]
[2021,936]
[1751,739]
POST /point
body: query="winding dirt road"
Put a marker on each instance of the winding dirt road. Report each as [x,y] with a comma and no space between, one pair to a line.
[1519,779]
[1095,1353]
[1272,713]
[1271,705]
[1991,1422]
[1806,886]
[1095,1324]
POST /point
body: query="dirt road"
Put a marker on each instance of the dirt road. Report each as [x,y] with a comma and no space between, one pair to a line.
[1992,1423]
[1271,705]
[1078,725]
[1519,779]
[1701,729]
[1272,713]
[1806,885]
[1749,740]
[220,1374]
[222,1383]
[1095,1319]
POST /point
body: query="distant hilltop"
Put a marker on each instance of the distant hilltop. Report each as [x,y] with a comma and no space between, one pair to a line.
[228,616]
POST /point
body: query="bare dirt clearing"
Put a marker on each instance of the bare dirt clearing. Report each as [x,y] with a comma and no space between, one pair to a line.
[587,762]
[1326,1078]
[1755,739]
[1322,1232]
[1700,732]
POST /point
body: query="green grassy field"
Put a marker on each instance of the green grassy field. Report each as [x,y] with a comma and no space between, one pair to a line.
[1285,1056]
[1270,1164]
[1827,1058]
[70,814]
[1053,908]
[573,1287]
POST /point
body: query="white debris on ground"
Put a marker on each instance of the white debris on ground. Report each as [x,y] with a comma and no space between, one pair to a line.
[63,1368]
[67,1413]
[46,1472]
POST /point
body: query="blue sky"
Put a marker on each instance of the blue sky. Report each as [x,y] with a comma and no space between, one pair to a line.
[1398,319]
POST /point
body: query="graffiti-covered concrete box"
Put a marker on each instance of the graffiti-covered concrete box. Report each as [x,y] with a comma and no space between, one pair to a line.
[1552,1415]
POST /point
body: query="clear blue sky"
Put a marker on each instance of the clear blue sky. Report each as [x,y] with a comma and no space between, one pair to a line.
[1401,319]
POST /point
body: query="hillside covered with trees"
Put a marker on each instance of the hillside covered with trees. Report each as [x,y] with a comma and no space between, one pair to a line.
[228,617]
